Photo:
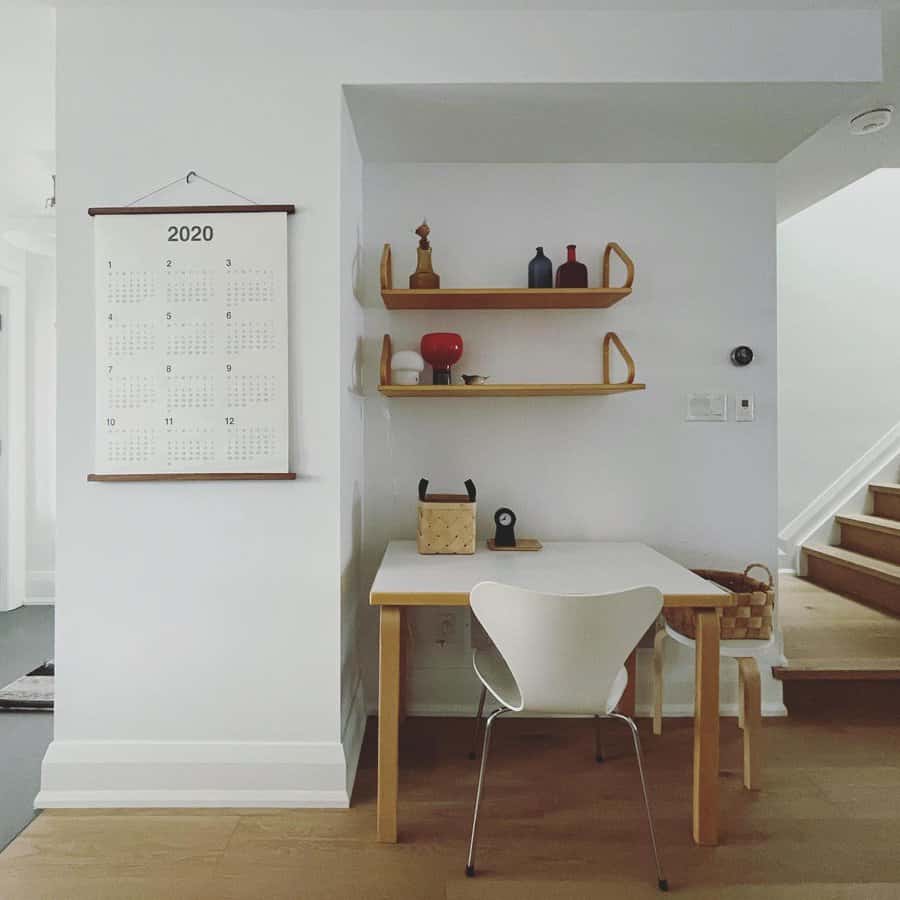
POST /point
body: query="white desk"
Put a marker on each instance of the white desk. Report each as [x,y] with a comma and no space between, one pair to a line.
[407,579]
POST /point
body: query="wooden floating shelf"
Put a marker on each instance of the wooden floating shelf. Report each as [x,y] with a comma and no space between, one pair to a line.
[506,390]
[508,298]
[514,390]
[200,476]
[505,298]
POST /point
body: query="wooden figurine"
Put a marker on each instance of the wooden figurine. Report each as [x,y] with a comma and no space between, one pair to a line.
[424,278]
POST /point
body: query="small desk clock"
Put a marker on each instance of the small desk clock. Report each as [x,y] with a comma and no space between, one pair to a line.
[505,535]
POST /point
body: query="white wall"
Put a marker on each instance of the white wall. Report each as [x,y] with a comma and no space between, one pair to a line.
[27,71]
[838,328]
[41,438]
[27,98]
[619,468]
[222,603]
[14,459]
[352,401]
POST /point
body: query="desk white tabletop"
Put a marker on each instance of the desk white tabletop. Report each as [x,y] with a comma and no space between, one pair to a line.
[406,578]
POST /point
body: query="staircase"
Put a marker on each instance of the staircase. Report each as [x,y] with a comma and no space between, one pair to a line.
[866,563]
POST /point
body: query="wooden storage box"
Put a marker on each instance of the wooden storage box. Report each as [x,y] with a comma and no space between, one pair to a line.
[751,617]
[446,522]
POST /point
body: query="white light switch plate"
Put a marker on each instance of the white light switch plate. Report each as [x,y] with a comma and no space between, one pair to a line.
[707,407]
[744,407]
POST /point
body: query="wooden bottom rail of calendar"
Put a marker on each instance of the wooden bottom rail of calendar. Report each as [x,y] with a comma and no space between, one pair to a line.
[200,476]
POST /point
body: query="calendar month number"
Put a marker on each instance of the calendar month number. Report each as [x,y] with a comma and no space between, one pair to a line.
[190,233]
[111,421]
[229,420]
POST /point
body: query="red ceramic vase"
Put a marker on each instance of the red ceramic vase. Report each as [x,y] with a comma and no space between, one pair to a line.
[441,350]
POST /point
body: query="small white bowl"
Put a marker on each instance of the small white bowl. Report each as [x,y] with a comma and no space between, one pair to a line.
[475,379]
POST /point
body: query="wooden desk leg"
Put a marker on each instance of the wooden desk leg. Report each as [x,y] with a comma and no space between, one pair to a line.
[388,722]
[627,704]
[706,730]
[404,649]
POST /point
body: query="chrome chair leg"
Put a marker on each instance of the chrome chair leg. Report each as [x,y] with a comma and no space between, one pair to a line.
[663,884]
[598,746]
[470,862]
[473,753]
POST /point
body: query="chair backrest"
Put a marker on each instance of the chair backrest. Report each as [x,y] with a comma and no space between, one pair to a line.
[564,650]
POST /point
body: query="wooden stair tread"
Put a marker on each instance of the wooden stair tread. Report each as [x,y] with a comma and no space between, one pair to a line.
[859,561]
[873,523]
[885,488]
[839,670]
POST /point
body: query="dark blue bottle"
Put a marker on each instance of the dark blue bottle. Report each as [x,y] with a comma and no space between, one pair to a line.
[540,271]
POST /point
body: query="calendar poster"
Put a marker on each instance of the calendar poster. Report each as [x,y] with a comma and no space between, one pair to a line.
[192,343]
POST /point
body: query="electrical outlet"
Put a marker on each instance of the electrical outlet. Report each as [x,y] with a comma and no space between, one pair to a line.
[446,632]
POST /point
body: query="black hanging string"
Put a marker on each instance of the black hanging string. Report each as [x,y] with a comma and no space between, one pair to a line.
[187,180]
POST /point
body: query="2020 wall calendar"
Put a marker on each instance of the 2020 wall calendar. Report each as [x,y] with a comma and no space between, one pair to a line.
[192,341]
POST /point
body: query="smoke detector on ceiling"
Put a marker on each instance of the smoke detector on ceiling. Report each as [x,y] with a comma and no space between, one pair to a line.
[871,120]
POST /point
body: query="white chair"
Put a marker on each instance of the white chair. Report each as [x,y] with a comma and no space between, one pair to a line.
[559,654]
[746,654]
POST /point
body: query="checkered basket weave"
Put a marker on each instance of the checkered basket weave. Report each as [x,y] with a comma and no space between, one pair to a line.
[751,616]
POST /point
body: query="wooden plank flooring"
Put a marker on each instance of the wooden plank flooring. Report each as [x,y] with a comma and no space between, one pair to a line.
[827,635]
[555,825]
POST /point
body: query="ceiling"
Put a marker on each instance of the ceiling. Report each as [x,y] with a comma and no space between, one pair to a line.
[591,122]
[490,122]
[833,158]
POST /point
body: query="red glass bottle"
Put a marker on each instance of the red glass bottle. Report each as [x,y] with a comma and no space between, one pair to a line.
[572,274]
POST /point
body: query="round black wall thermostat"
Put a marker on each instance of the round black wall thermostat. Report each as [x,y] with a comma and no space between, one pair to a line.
[742,356]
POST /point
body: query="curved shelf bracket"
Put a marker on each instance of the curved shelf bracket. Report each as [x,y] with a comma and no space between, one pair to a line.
[613,247]
[385,361]
[387,271]
[612,338]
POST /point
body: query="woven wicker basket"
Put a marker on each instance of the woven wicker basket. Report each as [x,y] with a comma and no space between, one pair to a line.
[749,619]
[446,527]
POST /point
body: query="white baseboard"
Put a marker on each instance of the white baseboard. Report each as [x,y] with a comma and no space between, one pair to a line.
[162,799]
[182,774]
[40,587]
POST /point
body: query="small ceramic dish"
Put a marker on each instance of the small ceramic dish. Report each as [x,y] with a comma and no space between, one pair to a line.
[475,379]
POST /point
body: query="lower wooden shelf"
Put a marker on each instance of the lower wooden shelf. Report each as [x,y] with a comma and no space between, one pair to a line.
[600,389]
[506,390]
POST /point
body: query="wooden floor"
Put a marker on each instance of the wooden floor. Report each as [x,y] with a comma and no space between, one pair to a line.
[826,634]
[556,826]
